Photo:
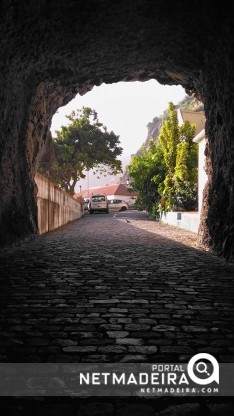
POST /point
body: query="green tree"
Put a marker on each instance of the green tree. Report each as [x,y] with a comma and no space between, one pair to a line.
[180,156]
[165,173]
[147,173]
[186,171]
[168,139]
[82,145]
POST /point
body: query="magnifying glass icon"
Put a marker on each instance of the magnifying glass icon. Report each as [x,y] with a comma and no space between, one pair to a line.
[202,368]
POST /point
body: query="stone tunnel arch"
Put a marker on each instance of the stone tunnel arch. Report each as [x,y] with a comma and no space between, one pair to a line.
[52,50]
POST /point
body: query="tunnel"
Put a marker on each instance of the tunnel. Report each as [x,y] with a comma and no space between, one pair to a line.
[53,50]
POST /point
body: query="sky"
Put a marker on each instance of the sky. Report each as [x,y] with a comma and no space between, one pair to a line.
[124,108]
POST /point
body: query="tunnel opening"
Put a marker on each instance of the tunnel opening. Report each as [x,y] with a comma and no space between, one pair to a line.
[135,111]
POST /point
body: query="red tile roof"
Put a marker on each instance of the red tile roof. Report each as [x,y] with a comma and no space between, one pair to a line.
[115,189]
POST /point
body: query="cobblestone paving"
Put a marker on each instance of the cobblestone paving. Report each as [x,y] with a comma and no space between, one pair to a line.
[102,289]
[106,290]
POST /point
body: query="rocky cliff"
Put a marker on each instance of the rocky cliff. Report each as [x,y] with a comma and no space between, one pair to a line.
[154,126]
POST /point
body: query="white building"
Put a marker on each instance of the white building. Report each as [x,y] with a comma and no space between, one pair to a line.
[202,176]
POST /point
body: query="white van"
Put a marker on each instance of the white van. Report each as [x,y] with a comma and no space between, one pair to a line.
[98,202]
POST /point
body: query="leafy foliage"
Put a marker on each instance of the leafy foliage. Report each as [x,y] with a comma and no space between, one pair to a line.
[147,172]
[180,155]
[82,145]
[165,175]
[168,140]
[186,173]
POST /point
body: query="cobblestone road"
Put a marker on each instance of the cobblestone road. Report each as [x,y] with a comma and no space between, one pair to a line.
[102,289]
[106,290]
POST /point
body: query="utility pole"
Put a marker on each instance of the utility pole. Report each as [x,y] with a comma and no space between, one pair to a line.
[88,182]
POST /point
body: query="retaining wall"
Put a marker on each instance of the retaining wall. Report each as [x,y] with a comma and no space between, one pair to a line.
[186,220]
[55,207]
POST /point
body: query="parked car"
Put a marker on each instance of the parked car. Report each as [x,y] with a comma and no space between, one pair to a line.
[99,203]
[117,205]
[131,204]
[86,204]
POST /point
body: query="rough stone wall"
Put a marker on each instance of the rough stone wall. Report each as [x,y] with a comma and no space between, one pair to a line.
[52,49]
[216,228]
